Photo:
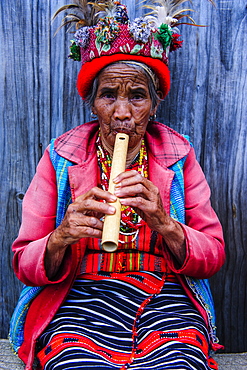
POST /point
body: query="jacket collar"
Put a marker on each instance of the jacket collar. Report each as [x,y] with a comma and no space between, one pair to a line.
[166,145]
[78,144]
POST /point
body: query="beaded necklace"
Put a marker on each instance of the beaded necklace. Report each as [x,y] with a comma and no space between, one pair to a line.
[130,220]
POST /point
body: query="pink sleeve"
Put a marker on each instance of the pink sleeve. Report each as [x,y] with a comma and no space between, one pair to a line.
[38,222]
[203,232]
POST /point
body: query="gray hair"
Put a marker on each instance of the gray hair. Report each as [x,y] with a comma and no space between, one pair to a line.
[151,77]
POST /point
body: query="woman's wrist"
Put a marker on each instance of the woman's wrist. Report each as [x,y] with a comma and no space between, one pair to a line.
[55,251]
[174,238]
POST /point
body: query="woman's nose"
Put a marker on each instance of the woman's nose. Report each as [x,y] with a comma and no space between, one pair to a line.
[122,110]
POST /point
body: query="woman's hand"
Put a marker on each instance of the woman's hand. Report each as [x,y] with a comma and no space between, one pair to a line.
[143,196]
[82,220]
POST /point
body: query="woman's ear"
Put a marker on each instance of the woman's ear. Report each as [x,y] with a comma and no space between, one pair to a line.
[159,93]
[153,112]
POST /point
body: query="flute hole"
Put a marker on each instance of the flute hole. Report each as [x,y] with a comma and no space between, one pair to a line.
[109,246]
[122,138]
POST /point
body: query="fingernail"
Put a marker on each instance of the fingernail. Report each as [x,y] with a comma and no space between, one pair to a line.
[122,201]
[112,210]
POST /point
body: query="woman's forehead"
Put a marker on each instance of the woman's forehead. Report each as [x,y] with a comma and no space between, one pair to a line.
[122,74]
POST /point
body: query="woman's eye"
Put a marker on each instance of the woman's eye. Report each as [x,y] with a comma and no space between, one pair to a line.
[109,96]
[137,97]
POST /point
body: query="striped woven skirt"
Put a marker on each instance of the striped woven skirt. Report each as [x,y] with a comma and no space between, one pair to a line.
[125,321]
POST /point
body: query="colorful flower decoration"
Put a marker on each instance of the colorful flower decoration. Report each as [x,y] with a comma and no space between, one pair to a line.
[82,37]
[164,35]
[121,14]
[106,30]
[140,30]
[175,44]
[75,52]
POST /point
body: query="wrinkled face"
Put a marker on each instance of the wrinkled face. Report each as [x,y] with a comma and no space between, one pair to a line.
[123,104]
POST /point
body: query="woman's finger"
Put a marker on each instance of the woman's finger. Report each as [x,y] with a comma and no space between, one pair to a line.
[135,185]
[97,193]
[128,177]
[77,219]
[132,191]
[76,226]
[89,206]
[94,201]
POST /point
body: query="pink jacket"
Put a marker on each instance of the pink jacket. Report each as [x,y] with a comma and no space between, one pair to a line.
[203,232]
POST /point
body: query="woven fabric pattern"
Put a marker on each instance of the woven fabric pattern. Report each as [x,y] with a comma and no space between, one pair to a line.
[123,44]
[63,189]
[16,332]
[151,325]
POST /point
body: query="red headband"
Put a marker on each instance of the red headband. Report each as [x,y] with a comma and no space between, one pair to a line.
[91,69]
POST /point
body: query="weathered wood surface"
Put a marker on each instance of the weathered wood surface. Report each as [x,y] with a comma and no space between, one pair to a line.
[38,100]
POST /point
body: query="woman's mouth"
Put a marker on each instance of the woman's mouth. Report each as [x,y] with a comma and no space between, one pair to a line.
[122,129]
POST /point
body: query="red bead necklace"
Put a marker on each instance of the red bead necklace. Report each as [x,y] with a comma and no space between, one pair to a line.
[130,220]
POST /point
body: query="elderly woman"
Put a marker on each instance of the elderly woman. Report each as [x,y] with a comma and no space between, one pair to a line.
[141,307]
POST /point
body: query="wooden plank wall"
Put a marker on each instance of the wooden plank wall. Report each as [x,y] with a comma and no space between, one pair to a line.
[38,100]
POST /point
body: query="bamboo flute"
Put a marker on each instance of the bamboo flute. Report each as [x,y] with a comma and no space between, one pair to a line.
[111,226]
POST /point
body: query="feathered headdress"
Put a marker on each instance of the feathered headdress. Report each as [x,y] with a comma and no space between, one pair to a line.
[169,12]
[87,13]
[103,29]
